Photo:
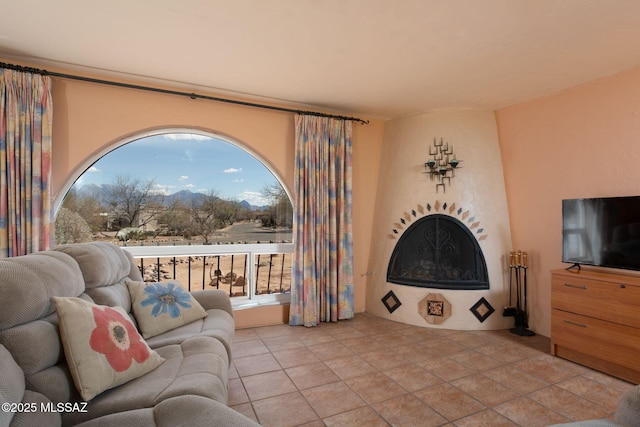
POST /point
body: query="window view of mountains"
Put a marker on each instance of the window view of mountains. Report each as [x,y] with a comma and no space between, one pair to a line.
[102,195]
[130,208]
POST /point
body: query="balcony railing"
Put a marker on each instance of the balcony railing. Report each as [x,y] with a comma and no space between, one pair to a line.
[252,274]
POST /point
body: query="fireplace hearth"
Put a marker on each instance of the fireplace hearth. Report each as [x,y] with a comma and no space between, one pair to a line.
[438,251]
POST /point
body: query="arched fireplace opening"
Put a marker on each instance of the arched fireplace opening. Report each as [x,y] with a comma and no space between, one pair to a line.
[438,251]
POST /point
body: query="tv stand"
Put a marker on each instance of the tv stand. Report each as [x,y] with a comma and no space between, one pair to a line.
[574,265]
[595,321]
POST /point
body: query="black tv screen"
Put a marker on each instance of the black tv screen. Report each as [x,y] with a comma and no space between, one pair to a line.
[602,232]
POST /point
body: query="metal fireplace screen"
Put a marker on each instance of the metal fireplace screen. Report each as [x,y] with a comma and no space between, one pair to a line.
[438,251]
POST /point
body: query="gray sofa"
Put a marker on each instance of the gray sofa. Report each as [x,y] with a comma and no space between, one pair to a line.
[189,387]
[627,413]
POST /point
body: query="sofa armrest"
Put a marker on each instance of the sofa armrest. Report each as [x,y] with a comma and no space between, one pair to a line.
[628,410]
[627,413]
[177,411]
[214,298]
[590,423]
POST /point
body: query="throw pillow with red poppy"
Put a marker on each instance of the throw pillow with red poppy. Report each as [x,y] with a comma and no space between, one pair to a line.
[102,346]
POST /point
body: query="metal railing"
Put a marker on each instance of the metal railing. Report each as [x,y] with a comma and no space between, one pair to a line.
[252,274]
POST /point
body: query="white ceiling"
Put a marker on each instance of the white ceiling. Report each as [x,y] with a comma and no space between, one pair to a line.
[377,58]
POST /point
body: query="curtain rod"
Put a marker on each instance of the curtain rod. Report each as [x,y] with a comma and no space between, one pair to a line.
[176,92]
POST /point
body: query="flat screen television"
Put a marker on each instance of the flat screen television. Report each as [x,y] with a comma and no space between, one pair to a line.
[603,232]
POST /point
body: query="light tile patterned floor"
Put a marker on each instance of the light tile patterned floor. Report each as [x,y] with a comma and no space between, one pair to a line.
[374,372]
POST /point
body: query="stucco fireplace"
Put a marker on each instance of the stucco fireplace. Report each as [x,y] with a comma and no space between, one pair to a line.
[437,248]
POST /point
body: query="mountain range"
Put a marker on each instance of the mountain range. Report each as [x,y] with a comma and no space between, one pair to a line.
[185,197]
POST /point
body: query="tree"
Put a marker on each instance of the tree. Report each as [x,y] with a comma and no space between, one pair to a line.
[176,220]
[71,228]
[203,215]
[87,207]
[227,211]
[280,211]
[91,210]
[134,203]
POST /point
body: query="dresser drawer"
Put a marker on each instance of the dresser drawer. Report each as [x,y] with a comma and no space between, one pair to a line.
[610,301]
[604,340]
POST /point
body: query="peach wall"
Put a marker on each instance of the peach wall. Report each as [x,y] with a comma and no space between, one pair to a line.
[582,142]
[89,118]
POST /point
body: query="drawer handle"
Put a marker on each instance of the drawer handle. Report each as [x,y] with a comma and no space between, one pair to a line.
[568,285]
[582,325]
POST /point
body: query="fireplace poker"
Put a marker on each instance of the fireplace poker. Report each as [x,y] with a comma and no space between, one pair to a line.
[517,269]
[509,310]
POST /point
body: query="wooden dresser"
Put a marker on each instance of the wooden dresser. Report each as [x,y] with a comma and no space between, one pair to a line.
[595,321]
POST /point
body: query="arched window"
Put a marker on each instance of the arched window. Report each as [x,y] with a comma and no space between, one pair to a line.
[186,189]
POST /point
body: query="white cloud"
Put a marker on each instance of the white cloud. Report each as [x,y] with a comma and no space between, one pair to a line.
[183,178]
[233,170]
[189,155]
[238,180]
[189,186]
[93,169]
[253,197]
[163,189]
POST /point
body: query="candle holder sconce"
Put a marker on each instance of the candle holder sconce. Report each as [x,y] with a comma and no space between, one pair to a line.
[442,163]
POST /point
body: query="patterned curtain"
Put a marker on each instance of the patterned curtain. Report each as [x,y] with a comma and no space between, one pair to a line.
[25,166]
[322,288]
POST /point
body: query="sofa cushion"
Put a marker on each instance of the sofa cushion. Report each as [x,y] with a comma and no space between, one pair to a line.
[197,366]
[114,295]
[160,307]
[29,282]
[101,263]
[102,346]
[11,384]
[35,345]
[218,324]
[104,267]
[33,399]
[28,323]
[12,390]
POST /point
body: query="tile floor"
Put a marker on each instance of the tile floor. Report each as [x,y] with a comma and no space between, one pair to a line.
[374,372]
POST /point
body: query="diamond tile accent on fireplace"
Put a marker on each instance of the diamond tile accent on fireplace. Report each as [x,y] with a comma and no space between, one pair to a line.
[482,309]
[391,301]
[453,211]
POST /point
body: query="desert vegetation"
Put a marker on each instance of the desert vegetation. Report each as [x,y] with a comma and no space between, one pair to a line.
[128,212]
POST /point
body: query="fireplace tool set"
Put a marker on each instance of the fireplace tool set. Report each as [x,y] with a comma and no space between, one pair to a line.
[518,265]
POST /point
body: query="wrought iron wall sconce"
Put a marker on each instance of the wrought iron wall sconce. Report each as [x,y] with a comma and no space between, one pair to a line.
[442,163]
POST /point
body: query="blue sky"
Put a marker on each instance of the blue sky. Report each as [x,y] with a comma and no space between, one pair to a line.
[185,162]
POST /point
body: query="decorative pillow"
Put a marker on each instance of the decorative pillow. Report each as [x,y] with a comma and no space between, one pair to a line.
[160,307]
[102,346]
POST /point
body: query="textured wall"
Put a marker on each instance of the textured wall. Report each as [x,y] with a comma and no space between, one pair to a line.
[476,196]
[582,142]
